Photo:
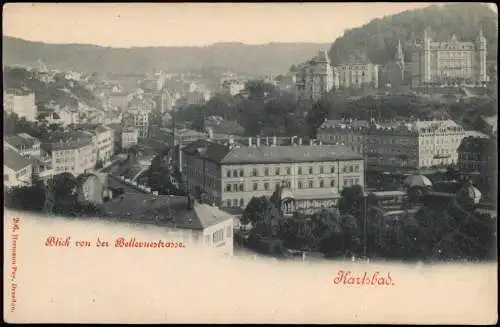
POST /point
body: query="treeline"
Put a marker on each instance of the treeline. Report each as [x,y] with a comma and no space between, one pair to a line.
[57,196]
[436,232]
[266,111]
[377,41]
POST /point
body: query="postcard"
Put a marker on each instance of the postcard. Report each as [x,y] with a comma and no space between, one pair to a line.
[250,163]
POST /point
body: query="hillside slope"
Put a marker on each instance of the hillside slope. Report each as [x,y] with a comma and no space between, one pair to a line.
[377,40]
[272,58]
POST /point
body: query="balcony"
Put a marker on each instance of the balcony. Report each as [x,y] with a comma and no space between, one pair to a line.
[442,156]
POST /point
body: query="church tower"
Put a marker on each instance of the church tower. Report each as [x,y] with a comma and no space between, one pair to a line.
[481,57]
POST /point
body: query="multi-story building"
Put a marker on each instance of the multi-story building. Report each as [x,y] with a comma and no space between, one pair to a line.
[315,77]
[20,102]
[195,98]
[104,138]
[124,136]
[129,137]
[138,114]
[452,61]
[229,175]
[25,144]
[405,145]
[232,86]
[75,153]
[17,169]
[357,75]
[476,154]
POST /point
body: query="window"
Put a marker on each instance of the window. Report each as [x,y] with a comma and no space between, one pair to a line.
[235,187]
[254,172]
[266,171]
[241,173]
[332,169]
[321,183]
[310,170]
[356,181]
[311,185]
[242,187]
[288,184]
[278,184]
[321,170]
[235,173]
[288,171]
[332,183]
[356,168]
[255,186]
[345,182]
[299,184]
[242,202]
[228,203]
[266,186]
[351,169]
[228,173]
[228,188]
[299,170]
[235,203]
[277,171]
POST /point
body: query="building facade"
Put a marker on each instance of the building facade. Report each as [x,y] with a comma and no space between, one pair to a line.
[315,78]
[17,170]
[230,175]
[405,145]
[75,153]
[21,103]
[477,154]
[358,75]
[448,62]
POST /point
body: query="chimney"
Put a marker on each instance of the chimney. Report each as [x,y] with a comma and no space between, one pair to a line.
[258,141]
[249,141]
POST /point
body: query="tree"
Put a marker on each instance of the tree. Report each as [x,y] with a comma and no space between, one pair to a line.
[63,186]
[351,200]
[264,216]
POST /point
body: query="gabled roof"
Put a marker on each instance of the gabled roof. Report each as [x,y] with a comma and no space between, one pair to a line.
[14,160]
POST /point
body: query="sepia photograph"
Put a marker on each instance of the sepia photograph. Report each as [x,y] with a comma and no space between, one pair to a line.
[250,163]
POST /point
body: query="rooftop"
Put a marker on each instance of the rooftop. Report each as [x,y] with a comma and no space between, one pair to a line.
[21,141]
[224,154]
[14,160]
[172,211]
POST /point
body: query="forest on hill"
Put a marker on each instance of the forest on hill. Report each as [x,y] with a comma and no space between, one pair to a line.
[376,41]
[264,59]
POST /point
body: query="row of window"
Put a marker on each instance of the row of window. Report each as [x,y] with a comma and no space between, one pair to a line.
[300,184]
[277,171]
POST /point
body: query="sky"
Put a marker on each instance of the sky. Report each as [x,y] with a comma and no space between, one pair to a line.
[190,24]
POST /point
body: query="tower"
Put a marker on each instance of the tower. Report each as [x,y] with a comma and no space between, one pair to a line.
[481,57]
[400,60]
[427,57]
